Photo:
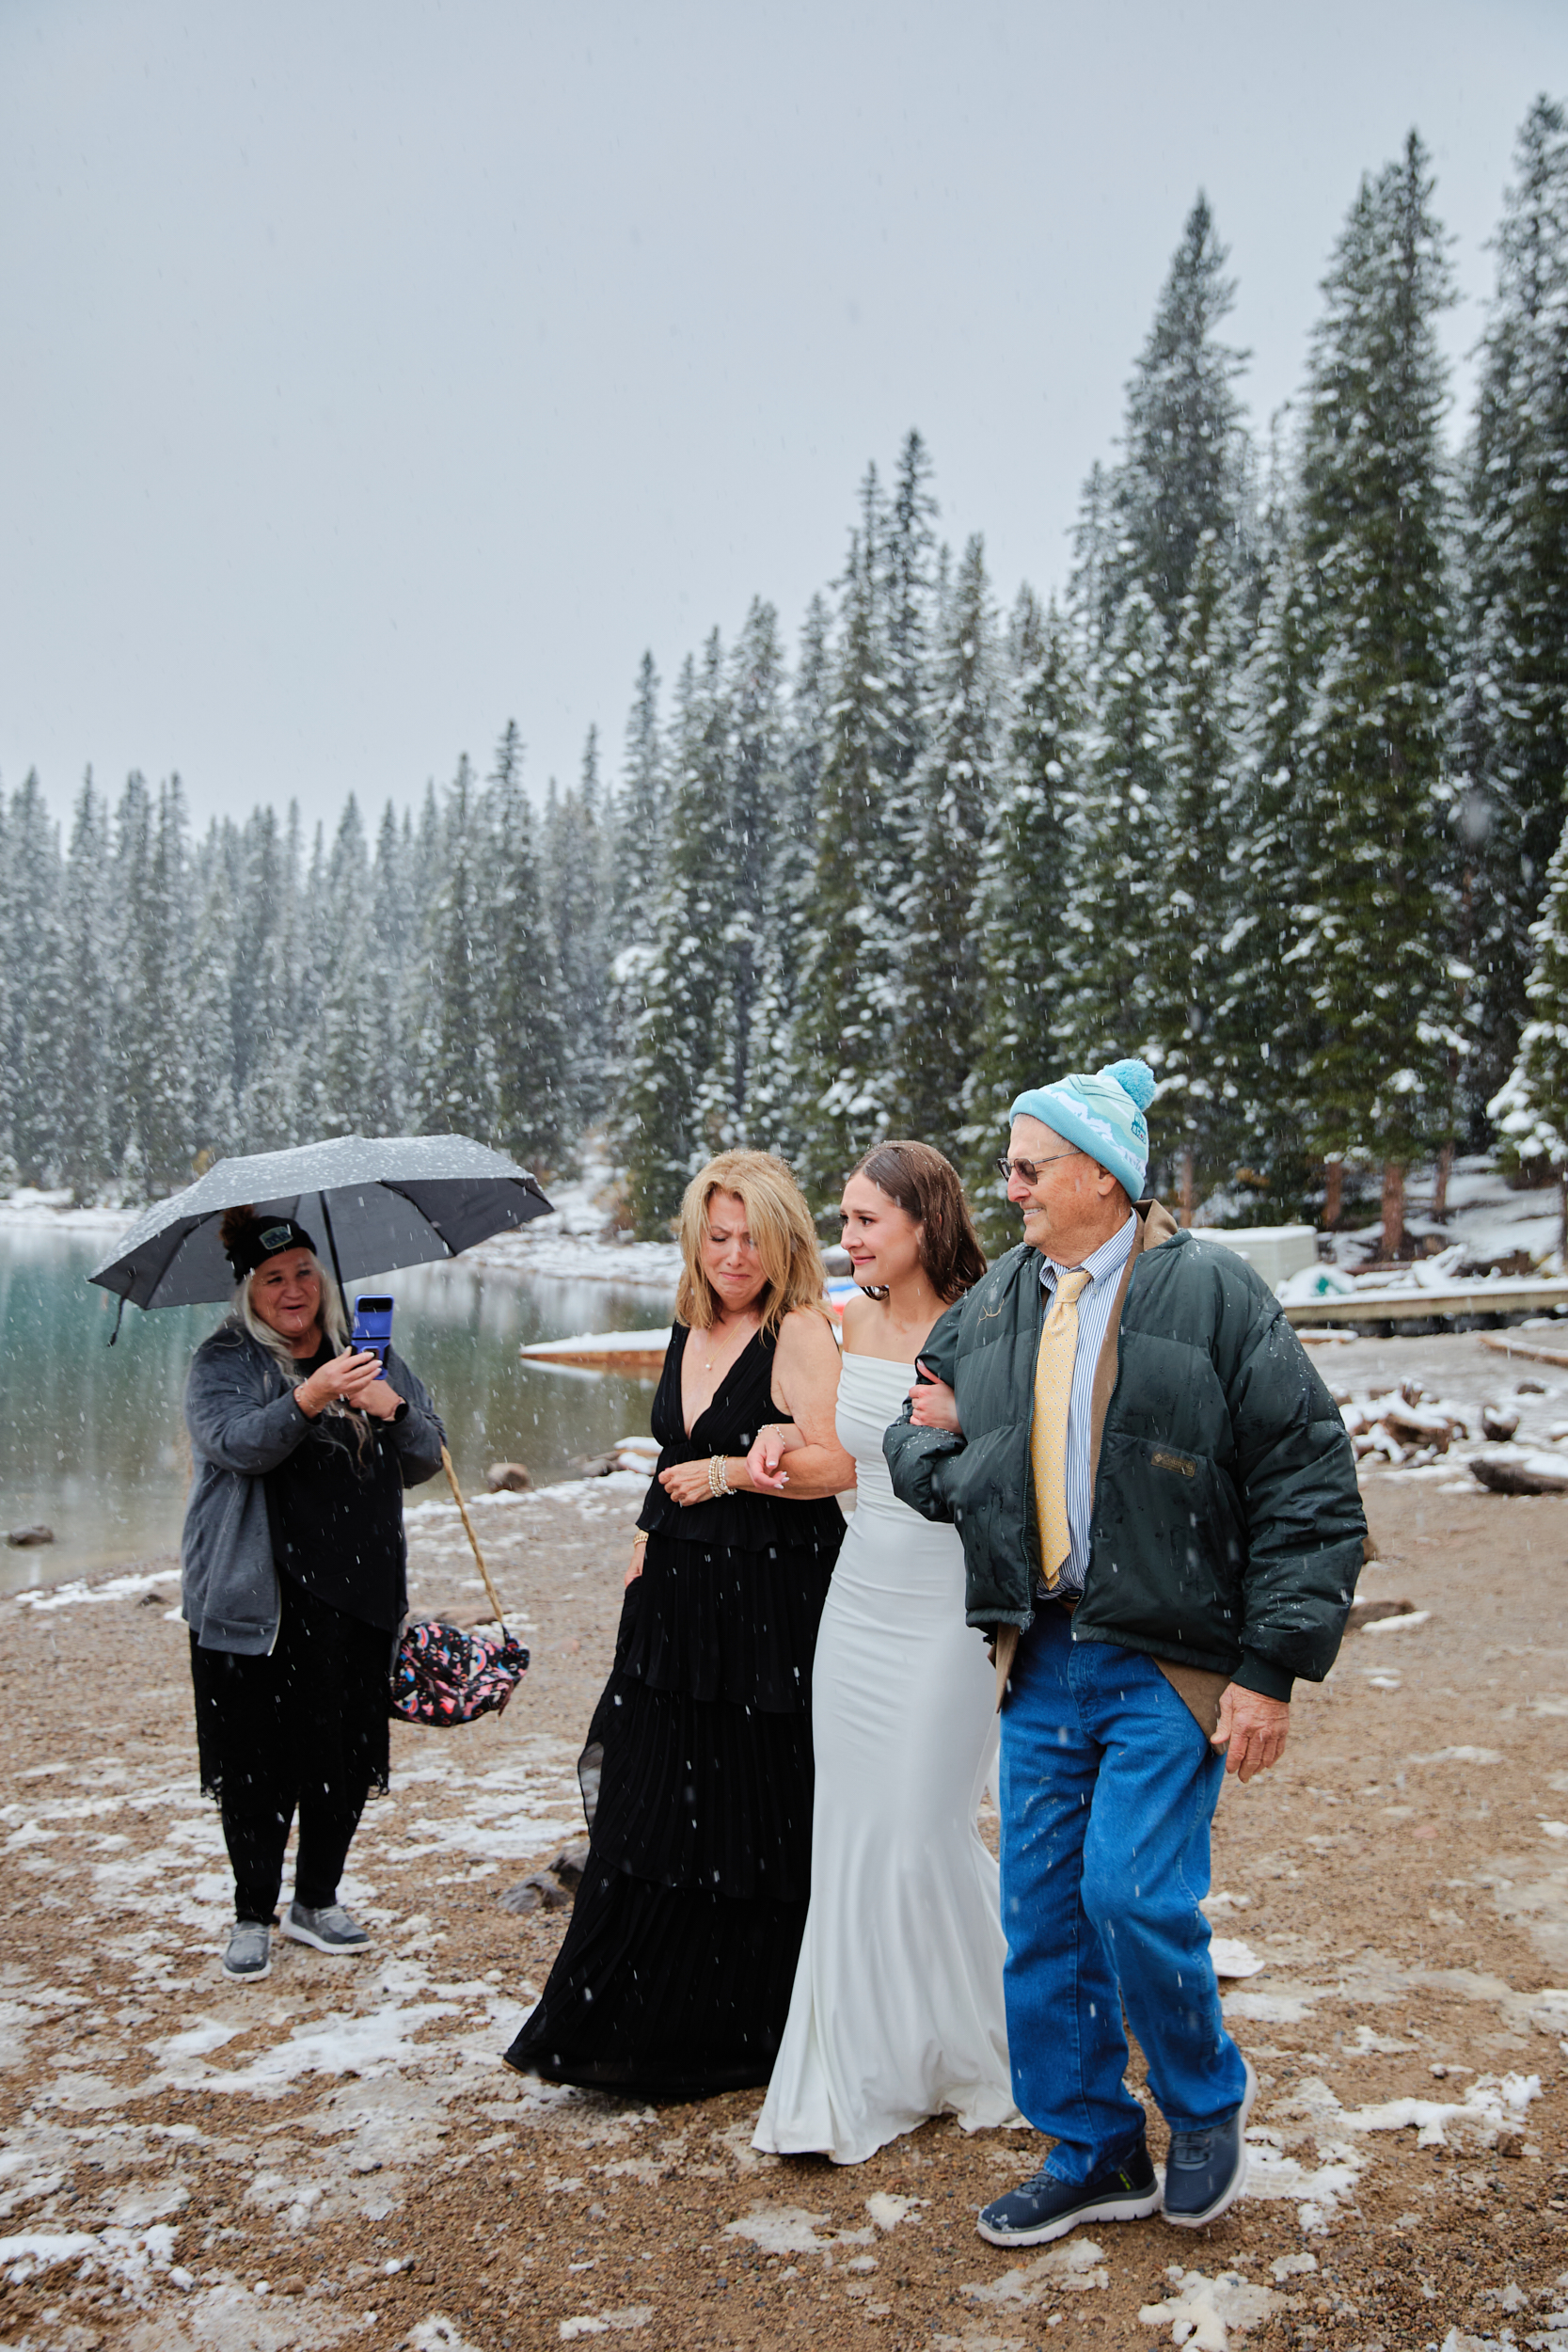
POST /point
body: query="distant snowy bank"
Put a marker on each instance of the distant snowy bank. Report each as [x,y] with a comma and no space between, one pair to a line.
[577,1243]
[27,1206]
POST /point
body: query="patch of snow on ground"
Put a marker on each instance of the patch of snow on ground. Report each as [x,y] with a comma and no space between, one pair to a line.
[1200,2311]
[1078,2266]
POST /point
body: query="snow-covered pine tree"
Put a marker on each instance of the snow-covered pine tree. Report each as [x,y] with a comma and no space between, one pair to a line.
[772,1105]
[684,986]
[86,1013]
[1183,472]
[938,1009]
[641,818]
[393,929]
[456,1093]
[1193,898]
[1091,597]
[1027,882]
[843,1055]
[1102,1000]
[903,534]
[577,868]
[268,1027]
[743,827]
[38,1078]
[1375,524]
[214,1110]
[527,1044]
[343,1043]
[1531,1108]
[641,811]
[1270,1023]
[1512,749]
[155,1040]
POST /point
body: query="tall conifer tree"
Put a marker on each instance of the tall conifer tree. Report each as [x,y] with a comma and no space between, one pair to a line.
[1027,880]
[1183,473]
[844,1049]
[1512,748]
[85,1161]
[1531,1106]
[1374,526]
[527,1040]
[1102,1007]
[1193,894]
[939,1009]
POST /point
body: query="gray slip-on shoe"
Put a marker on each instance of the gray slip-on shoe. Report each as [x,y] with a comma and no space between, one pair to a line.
[330,1928]
[249,1954]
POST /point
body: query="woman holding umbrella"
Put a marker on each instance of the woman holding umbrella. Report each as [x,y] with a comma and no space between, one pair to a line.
[293,1581]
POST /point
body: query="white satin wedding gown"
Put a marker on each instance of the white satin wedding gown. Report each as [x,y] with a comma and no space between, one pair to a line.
[896,2012]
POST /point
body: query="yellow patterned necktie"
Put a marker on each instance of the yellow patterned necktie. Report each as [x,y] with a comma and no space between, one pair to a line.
[1048,1426]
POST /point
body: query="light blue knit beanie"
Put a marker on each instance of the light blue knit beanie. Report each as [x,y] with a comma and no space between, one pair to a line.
[1102,1114]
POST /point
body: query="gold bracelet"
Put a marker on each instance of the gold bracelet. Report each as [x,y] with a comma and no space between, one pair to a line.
[640,1537]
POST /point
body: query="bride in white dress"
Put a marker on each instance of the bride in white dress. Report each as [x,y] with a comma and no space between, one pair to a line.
[896,2012]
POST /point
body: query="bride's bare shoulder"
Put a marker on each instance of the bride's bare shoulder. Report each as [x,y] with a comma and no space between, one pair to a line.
[860,1318]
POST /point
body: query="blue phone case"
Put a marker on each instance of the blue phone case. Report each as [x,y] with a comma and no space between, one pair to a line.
[373,1323]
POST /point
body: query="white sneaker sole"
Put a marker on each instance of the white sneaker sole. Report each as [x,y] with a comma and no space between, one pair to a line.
[1238,2181]
[247,1976]
[1116,2209]
[319,1944]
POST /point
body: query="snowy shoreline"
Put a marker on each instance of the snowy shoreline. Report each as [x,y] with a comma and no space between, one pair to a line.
[549,1247]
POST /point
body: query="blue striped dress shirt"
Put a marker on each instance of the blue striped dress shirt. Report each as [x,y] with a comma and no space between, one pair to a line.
[1095,1301]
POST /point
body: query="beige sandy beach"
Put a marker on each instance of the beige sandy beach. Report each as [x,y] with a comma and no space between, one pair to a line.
[337,2156]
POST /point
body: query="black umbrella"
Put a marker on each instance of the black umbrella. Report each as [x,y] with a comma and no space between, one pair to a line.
[376,1202]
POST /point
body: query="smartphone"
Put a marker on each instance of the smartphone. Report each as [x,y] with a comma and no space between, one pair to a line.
[372,1323]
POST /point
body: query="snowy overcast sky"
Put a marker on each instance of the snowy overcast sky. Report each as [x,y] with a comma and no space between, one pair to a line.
[374,373]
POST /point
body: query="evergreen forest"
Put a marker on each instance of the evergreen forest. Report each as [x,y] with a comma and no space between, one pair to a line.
[1271,790]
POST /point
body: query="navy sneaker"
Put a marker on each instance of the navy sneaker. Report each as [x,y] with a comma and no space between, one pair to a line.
[1046,2207]
[1205,2171]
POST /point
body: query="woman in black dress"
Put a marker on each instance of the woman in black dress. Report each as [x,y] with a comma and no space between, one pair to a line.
[293,1573]
[675,1977]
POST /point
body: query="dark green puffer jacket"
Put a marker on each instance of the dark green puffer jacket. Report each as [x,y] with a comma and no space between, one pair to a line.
[1227,1531]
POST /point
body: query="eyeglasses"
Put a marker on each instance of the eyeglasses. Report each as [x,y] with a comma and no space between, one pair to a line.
[1028,1169]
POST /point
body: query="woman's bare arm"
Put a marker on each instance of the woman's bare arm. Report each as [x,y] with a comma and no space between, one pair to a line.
[805,1382]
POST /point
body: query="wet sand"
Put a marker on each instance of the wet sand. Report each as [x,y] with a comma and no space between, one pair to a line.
[337,2156]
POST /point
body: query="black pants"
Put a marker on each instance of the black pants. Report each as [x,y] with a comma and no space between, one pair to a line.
[303,1731]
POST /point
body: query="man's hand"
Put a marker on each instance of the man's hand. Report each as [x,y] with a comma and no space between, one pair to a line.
[933,1404]
[1252,1730]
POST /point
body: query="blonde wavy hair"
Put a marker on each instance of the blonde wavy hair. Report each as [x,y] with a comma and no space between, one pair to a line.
[781,1226]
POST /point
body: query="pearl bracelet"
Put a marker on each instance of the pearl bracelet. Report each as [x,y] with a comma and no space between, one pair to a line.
[719,1476]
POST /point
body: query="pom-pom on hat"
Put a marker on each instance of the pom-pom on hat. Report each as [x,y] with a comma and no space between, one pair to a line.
[1102,1114]
[248,1240]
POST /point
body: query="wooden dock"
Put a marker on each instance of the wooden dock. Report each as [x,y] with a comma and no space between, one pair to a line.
[1505,1294]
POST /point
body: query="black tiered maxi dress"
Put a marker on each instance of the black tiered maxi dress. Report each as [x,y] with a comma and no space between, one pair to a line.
[675,1977]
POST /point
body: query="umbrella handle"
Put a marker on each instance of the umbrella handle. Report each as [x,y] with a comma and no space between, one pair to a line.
[462,1513]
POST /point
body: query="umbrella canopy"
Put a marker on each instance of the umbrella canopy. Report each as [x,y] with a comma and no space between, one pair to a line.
[372,1203]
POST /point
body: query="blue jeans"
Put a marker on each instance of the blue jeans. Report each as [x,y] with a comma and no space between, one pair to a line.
[1108,1790]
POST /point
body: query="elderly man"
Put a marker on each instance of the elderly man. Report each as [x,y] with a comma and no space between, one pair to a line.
[1162,1530]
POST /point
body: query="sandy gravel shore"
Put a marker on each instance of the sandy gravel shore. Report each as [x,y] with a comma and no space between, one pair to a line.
[337,2156]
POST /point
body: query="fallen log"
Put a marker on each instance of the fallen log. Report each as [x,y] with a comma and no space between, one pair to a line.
[1520,1474]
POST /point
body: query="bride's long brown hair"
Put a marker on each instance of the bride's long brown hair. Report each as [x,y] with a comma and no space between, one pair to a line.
[927,1187]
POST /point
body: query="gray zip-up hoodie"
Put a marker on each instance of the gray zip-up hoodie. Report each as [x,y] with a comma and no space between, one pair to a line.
[243,1421]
